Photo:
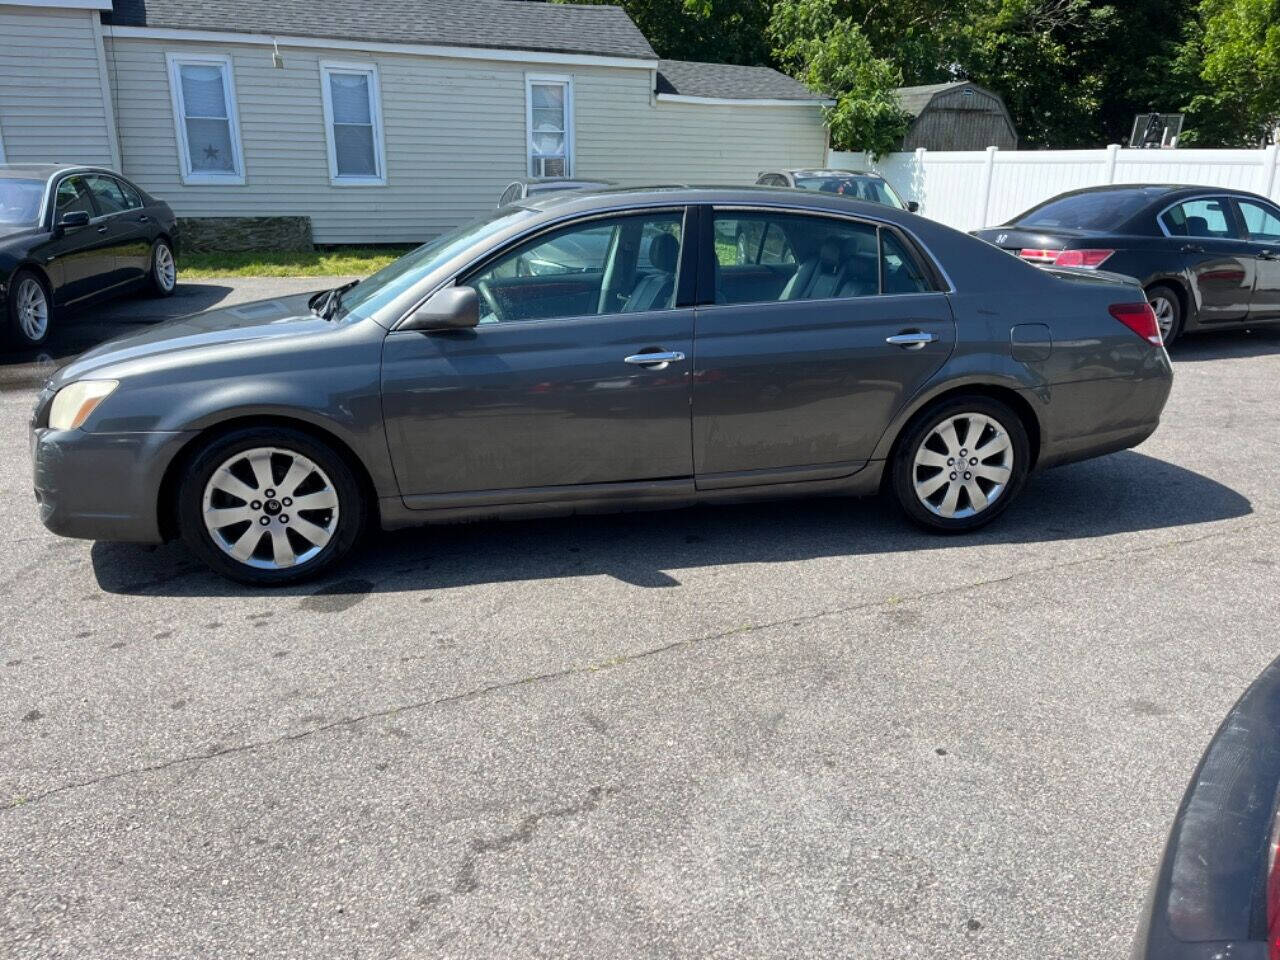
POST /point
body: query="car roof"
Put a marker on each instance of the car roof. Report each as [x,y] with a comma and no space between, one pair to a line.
[43,171]
[1157,191]
[589,201]
[832,173]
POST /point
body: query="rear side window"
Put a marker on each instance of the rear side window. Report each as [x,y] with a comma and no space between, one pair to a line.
[109,194]
[783,257]
[1106,210]
[1206,217]
[1262,221]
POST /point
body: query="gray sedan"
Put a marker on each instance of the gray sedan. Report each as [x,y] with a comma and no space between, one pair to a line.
[856,348]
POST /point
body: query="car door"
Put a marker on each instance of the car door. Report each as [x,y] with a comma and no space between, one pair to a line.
[1219,261]
[576,378]
[79,259]
[127,234]
[1261,222]
[801,384]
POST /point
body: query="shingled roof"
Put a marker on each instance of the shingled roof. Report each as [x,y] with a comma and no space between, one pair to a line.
[729,81]
[913,100]
[496,24]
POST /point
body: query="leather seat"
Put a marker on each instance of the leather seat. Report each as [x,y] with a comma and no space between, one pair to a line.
[653,292]
[817,277]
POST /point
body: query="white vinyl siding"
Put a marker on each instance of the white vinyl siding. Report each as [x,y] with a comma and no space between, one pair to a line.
[204,116]
[353,123]
[53,98]
[549,125]
[455,134]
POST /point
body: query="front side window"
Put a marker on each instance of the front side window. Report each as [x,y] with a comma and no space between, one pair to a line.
[627,264]
[205,116]
[1206,217]
[353,123]
[549,110]
[764,257]
[73,196]
[1262,221]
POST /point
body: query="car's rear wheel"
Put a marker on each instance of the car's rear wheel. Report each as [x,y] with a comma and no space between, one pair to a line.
[270,506]
[30,310]
[1168,309]
[961,464]
[162,279]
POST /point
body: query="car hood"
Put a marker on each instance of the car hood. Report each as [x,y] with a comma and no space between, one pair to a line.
[200,333]
[11,235]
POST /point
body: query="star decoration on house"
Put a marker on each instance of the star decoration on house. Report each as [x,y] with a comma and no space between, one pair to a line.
[211,152]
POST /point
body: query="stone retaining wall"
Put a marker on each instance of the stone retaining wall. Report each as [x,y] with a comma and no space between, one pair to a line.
[230,234]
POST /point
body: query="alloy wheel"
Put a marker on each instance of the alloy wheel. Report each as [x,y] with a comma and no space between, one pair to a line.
[33,310]
[165,269]
[270,508]
[962,466]
[1166,315]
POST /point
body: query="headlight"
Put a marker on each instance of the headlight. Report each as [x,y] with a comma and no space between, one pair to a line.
[74,402]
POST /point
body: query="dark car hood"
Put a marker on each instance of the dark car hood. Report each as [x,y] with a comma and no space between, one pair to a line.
[11,235]
[282,317]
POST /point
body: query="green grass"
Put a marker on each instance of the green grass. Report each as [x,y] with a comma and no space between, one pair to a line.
[332,262]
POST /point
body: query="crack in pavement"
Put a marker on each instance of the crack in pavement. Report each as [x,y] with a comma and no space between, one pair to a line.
[623,660]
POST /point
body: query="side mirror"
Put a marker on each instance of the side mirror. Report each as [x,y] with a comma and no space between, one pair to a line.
[913,206]
[453,308]
[74,218]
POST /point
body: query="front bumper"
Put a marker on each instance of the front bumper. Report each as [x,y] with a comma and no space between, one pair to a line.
[102,486]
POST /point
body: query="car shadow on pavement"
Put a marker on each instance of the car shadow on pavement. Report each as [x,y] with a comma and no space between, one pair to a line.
[1125,492]
[83,329]
[1227,345]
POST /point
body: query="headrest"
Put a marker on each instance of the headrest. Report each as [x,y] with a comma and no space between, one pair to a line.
[829,255]
[664,251]
[1198,226]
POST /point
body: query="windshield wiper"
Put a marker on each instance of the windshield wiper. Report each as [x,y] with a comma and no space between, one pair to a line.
[326,304]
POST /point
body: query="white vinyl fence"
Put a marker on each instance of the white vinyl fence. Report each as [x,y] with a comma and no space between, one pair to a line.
[973,189]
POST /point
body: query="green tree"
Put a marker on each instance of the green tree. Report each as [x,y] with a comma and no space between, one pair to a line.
[830,53]
[1236,45]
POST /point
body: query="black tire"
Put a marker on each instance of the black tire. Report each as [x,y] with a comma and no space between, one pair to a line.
[16,332]
[159,283]
[1158,296]
[903,464]
[352,512]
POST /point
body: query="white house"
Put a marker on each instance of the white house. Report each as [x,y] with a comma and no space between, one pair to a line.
[382,120]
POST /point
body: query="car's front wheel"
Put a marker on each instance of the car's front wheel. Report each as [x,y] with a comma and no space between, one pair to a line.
[268,506]
[162,279]
[960,465]
[30,311]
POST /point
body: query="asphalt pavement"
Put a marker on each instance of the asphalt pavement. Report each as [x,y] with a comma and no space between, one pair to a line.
[749,731]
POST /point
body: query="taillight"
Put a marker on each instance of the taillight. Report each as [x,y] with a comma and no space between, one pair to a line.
[1140,318]
[1039,256]
[1091,259]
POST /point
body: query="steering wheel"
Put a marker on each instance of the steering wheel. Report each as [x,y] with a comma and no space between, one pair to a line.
[491,301]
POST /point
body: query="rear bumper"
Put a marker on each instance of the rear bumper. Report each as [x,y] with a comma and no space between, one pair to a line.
[1095,417]
[102,486]
[1208,899]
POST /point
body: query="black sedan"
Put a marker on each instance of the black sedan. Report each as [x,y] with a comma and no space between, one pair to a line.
[71,234]
[1217,890]
[1208,257]
[865,349]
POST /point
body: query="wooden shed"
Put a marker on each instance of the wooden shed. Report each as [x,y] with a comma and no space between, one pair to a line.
[956,116]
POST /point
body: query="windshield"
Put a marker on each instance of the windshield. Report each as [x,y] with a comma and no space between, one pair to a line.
[861,188]
[20,202]
[1105,210]
[379,289]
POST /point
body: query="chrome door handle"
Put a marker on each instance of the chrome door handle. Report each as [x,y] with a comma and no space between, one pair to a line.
[654,359]
[103,229]
[912,340]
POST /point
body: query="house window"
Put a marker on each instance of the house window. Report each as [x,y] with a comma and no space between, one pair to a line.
[204,112]
[353,123]
[549,119]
